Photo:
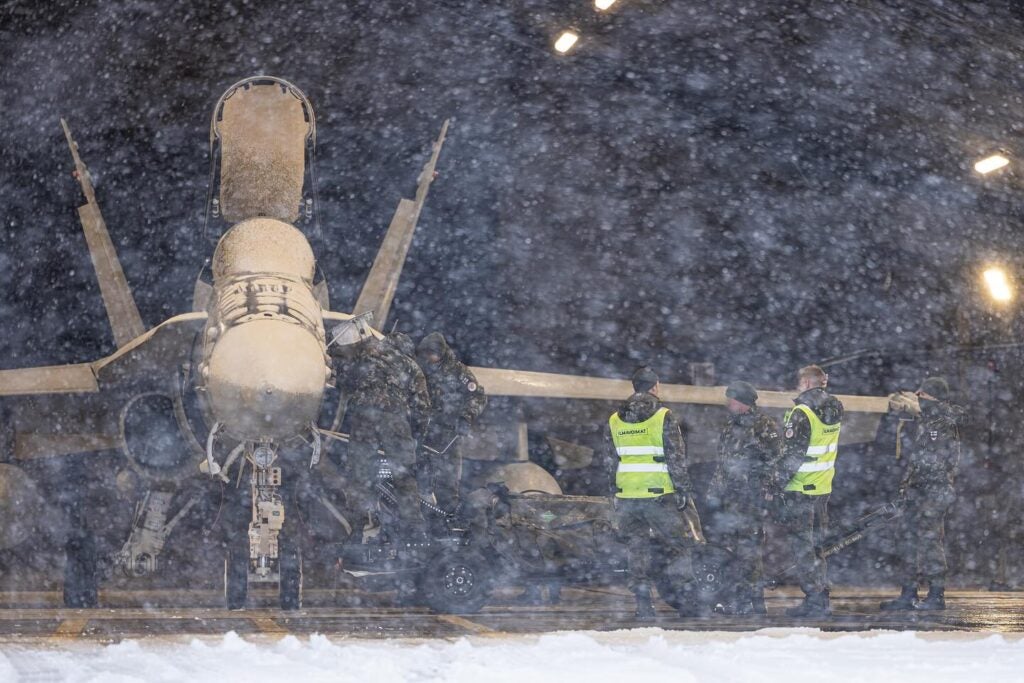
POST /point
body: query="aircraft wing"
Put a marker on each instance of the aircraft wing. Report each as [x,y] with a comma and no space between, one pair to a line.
[64,409]
[52,379]
[147,359]
[125,320]
[859,425]
[60,410]
[379,289]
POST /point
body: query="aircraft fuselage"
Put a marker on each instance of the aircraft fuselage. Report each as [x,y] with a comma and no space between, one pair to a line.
[264,363]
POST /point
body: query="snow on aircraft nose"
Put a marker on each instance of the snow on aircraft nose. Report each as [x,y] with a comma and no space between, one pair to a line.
[266,380]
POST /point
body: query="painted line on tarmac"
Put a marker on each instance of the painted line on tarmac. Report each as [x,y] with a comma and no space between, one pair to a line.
[267,625]
[70,628]
[466,624]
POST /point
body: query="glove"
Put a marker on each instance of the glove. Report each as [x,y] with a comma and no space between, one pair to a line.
[462,427]
[904,404]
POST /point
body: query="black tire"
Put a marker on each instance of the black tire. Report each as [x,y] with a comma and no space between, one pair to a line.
[697,580]
[457,581]
[290,587]
[81,573]
[236,578]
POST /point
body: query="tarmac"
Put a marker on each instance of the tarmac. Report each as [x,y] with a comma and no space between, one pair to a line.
[34,616]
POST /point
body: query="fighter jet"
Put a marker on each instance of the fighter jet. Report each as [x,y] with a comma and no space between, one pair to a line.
[242,377]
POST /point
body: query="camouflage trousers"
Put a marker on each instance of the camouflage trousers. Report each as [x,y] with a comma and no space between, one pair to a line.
[740,528]
[637,519]
[921,534]
[441,472]
[374,430]
[805,522]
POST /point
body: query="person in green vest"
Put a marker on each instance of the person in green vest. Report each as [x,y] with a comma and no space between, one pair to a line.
[809,448]
[651,487]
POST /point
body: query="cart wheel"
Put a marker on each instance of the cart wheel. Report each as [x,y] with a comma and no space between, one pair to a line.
[457,581]
[697,580]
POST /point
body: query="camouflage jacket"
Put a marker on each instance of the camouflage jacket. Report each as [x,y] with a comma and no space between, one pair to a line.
[932,447]
[380,376]
[749,451]
[454,392]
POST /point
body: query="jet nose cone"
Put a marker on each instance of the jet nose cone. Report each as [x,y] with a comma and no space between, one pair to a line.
[266,379]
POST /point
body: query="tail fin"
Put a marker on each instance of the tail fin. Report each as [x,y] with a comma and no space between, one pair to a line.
[125,320]
[379,288]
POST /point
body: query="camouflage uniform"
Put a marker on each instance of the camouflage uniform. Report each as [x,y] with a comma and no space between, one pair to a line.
[387,408]
[932,451]
[749,451]
[805,517]
[457,400]
[636,518]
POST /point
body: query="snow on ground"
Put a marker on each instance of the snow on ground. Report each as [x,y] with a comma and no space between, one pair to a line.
[790,655]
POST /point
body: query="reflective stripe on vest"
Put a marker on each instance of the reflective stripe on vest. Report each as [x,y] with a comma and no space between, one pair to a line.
[641,472]
[814,477]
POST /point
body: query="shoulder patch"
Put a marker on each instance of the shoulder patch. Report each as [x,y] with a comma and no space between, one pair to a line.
[789,431]
[471,386]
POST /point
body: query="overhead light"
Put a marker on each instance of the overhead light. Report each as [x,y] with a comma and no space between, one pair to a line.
[993,162]
[566,41]
[602,5]
[998,284]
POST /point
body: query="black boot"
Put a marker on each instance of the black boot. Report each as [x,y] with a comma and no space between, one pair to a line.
[531,596]
[742,604]
[814,605]
[935,600]
[907,600]
[644,603]
[757,605]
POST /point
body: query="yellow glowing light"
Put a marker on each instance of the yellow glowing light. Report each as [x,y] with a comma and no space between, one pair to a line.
[602,5]
[998,284]
[991,163]
[566,41]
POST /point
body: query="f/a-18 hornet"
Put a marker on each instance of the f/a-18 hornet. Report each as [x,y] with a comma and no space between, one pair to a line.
[242,377]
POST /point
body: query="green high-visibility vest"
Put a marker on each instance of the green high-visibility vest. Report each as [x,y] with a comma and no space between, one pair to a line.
[814,478]
[642,472]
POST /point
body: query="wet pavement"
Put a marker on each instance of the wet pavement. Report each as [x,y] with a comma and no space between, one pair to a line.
[133,614]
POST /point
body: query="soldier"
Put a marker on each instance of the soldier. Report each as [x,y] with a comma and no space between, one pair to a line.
[456,400]
[411,375]
[749,451]
[933,452]
[651,489]
[387,410]
[809,447]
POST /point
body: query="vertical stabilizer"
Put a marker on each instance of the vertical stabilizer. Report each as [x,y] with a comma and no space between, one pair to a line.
[379,288]
[125,320]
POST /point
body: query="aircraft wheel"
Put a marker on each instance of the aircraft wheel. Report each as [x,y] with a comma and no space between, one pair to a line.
[81,576]
[457,581]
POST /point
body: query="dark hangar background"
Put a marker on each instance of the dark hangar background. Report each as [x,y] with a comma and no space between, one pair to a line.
[756,185]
